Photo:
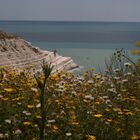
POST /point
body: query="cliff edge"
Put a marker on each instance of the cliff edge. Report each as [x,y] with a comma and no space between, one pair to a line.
[18,53]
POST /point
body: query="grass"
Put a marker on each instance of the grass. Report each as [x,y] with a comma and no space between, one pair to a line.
[95,106]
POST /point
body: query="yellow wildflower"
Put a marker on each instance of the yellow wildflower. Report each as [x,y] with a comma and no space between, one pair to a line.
[137,43]
[86,84]
[47,125]
[38,117]
[34,139]
[97,103]
[86,101]
[91,137]
[133,98]
[117,109]
[128,113]
[27,123]
[55,77]
[73,117]
[5,99]
[135,137]
[125,99]
[55,128]
[57,101]
[75,123]
[123,90]
[9,90]
[98,115]
[101,99]
[126,110]
[16,99]
[107,109]
[30,106]
[109,120]
[85,74]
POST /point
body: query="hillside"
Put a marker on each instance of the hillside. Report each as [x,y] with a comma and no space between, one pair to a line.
[20,54]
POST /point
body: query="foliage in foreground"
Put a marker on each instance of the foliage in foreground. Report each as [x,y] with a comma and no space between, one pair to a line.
[137,52]
[92,106]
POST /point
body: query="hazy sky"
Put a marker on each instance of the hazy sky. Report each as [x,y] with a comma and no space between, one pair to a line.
[73,10]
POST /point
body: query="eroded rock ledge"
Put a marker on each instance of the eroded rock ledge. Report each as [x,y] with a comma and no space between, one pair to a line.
[20,54]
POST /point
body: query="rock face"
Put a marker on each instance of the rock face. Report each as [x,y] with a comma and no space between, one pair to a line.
[20,54]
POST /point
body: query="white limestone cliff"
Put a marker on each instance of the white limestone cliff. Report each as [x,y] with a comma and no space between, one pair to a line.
[18,53]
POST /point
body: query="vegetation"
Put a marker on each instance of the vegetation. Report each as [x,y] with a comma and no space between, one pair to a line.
[4,35]
[137,52]
[63,106]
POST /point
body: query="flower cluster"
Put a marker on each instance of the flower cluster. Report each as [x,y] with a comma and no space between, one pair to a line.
[92,106]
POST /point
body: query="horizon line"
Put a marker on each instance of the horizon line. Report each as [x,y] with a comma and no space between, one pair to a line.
[71,21]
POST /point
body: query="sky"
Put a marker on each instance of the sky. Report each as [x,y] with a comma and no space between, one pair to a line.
[70,10]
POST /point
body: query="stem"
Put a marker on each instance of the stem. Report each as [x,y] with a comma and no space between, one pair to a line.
[43,114]
[129,60]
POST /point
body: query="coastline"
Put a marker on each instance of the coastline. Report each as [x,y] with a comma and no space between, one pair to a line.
[19,53]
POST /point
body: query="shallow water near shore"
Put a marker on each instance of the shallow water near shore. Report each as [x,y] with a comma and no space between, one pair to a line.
[87,57]
[89,44]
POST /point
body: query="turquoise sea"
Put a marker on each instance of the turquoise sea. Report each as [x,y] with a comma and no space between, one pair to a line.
[88,43]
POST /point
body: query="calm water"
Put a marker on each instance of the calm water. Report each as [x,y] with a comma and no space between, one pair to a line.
[88,43]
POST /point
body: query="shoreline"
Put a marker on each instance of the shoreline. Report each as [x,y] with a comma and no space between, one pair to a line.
[19,53]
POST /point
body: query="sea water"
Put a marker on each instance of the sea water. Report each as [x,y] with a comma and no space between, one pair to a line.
[89,44]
